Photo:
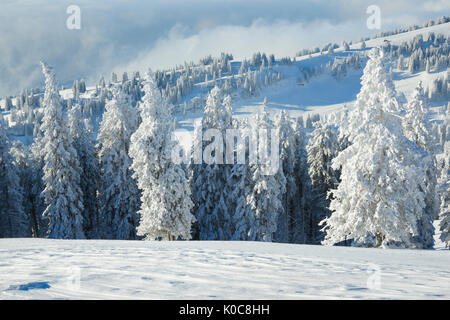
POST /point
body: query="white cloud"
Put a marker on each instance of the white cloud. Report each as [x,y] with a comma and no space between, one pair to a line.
[436,5]
[281,38]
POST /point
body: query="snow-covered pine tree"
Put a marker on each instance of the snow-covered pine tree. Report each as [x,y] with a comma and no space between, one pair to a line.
[234,173]
[417,128]
[447,124]
[345,46]
[322,148]
[23,159]
[84,145]
[444,128]
[35,161]
[416,125]
[444,225]
[14,222]
[363,45]
[8,104]
[265,197]
[379,199]
[288,161]
[62,194]
[113,78]
[210,192]
[308,122]
[82,86]
[240,184]
[118,192]
[300,220]
[166,204]
[76,90]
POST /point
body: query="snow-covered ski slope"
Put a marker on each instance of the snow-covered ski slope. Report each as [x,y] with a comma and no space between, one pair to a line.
[90,269]
[323,94]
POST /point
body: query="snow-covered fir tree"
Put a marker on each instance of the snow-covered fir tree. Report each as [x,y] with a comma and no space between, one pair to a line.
[210,192]
[301,227]
[76,90]
[83,143]
[417,128]
[444,187]
[287,155]
[240,183]
[363,45]
[322,148]
[8,104]
[266,195]
[380,198]
[416,125]
[166,197]
[36,204]
[345,46]
[118,192]
[24,160]
[444,129]
[14,221]
[444,216]
[62,194]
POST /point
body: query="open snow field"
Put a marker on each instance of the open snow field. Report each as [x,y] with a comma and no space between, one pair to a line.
[78,269]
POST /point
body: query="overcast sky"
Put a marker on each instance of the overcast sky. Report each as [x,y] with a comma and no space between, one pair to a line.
[133,35]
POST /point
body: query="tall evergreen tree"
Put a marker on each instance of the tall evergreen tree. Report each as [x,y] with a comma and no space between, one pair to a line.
[416,125]
[166,203]
[13,219]
[322,148]
[380,198]
[20,153]
[301,228]
[240,183]
[84,145]
[34,196]
[417,128]
[118,192]
[288,161]
[243,183]
[444,183]
[8,104]
[62,194]
[265,197]
[445,198]
[212,213]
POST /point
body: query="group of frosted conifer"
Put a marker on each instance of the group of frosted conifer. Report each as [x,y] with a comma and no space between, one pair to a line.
[367,176]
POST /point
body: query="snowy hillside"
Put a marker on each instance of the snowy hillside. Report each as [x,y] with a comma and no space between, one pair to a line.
[319,92]
[59,269]
[323,94]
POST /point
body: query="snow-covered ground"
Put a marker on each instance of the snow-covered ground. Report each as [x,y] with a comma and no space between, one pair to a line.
[74,269]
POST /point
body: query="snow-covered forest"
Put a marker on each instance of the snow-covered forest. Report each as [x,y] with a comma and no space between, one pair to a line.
[368,166]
